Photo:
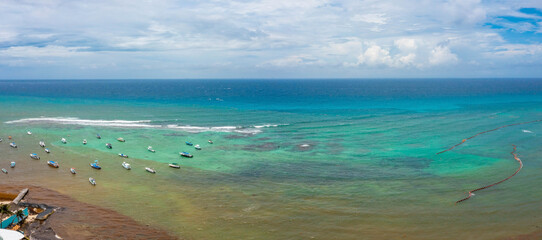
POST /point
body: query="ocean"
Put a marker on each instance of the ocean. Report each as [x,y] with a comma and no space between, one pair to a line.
[290,159]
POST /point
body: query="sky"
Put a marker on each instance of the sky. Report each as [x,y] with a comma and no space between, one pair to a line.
[121,39]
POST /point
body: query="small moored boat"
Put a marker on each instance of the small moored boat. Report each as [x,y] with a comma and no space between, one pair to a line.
[108,145]
[123,155]
[72,170]
[34,156]
[95,165]
[29,132]
[210,141]
[98,136]
[174,165]
[63,140]
[197,147]
[92,181]
[151,170]
[42,144]
[47,150]
[4,171]
[126,165]
[150,149]
[185,154]
[52,164]
[84,142]
[121,139]
[12,165]
[1,139]
[13,145]
[189,143]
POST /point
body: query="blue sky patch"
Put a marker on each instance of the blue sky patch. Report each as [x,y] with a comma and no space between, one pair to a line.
[531,11]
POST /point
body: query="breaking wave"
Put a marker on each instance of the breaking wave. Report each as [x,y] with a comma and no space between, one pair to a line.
[141,124]
[86,122]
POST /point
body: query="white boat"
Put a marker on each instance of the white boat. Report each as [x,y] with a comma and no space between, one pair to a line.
[185,154]
[52,164]
[12,165]
[1,139]
[121,139]
[29,132]
[4,171]
[197,147]
[42,144]
[13,145]
[210,141]
[126,165]
[92,181]
[47,150]
[150,149]
[34,156]
[174,165]
[108,145]
[123,155]
[63,140]
[72,170]
[84,142]
[151,170]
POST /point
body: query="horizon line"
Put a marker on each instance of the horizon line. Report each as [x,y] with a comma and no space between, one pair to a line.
[375,78]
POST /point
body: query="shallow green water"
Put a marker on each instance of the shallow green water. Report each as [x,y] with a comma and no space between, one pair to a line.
[363,173]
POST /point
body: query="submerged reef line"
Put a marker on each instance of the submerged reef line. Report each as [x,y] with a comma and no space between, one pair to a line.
[491,185]
[480,133]
[513,154]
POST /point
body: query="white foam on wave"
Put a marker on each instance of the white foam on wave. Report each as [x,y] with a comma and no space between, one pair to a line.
[526,131]
[269,125]
[87,122]
[195,129]
[139,124]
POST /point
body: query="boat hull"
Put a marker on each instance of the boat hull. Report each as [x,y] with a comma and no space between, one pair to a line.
[52,164]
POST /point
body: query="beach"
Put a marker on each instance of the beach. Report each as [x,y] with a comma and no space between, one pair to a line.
[77,220]
[302,160]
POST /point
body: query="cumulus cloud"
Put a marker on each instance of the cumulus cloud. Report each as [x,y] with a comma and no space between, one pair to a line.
[375,55]
[406,44]
[442,55]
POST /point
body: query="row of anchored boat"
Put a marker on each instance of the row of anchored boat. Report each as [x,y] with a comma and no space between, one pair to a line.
[95,164]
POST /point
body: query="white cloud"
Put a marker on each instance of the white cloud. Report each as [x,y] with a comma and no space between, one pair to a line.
[395,36]
[378,56]
[293,61]
[406,44]
[377,18]
[375,55]
[350,46]
[408,59]
[465,11]
[37,52]
[518,50]
[6,36]
[442,55]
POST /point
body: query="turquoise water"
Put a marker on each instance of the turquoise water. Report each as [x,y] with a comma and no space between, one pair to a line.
[339,159]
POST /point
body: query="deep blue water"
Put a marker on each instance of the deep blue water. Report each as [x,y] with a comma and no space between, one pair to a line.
[290,94]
